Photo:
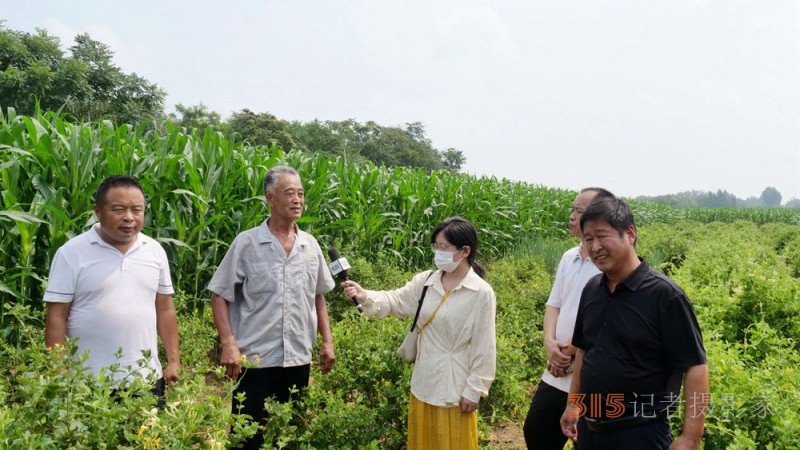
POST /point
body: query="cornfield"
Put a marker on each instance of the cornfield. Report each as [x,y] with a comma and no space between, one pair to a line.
[203,188]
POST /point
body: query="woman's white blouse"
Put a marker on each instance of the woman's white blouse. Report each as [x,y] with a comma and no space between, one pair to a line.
[457,352]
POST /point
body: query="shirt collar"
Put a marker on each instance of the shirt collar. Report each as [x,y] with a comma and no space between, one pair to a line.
[636,278]
[471,280]
[94,238]
[577,254]
[265,236]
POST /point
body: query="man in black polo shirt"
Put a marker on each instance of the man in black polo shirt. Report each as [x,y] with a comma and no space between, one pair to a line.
[637,338]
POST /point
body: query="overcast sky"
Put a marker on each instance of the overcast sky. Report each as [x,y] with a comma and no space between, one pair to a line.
[639,96]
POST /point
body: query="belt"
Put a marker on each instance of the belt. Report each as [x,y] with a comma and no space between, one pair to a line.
[602,426]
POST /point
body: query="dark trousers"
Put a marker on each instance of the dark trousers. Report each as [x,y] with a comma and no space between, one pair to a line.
[258,385]
[542,427]
[159,390]
[653,436]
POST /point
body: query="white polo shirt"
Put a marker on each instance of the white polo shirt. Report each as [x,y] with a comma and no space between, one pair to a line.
[572,274]
[113,299]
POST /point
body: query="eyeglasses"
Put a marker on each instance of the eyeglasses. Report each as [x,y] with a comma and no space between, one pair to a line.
[445,248]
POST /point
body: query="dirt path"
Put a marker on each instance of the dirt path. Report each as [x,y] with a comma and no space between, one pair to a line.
[507,436]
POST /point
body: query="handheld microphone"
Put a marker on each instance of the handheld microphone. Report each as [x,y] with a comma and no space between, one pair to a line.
[339,267]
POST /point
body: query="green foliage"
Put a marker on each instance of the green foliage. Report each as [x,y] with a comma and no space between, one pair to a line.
[741,280]
[522,286]
[386,146]
[261,129]
[754,395]
[771,197]
[709,199]
[198,116]
[453,159]
[647,213]
[203,189]
[35,73]
[736,278]
[548,249]
[739,267]
[47,401]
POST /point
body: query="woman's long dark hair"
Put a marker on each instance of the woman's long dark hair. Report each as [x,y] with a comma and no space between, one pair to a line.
[460,232]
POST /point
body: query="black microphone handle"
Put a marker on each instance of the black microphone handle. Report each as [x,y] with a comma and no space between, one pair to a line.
[344,277]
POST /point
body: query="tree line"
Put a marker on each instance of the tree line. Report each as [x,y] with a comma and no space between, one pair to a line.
[85,84]
[770,197]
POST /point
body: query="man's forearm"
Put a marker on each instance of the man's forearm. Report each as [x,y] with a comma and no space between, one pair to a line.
[168,332]
[323,322]
[167,326]
[219,309]
[55,330]
[55,333]
[696,395]
[551,314]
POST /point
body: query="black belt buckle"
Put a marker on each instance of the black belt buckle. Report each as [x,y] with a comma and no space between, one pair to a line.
[604,426]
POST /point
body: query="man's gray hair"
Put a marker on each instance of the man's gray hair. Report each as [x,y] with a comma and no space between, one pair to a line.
[273,174]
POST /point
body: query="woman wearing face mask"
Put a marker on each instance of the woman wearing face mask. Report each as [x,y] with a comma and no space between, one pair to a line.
[456,349]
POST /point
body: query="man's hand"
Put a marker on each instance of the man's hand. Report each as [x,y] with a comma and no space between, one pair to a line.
[569,422]
[468,406]
[326,357]
[171,372]
[559,357]
[231,358]
[685,443]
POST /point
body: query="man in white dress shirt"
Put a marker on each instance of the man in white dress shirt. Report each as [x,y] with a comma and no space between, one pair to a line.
[542,427]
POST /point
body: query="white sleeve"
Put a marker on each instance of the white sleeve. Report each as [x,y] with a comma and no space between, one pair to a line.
[556,298]
[483,351]
[325,281]
[229,273]
[164,278]
[399,302]
[62,280]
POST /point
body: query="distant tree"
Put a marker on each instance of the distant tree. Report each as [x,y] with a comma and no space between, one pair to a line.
[793,203]
[771,197]
[395,146]
[717,199]
[261,129]
[198,116]
[87,85]
[751,202]
[389,146]
[453,159]
[332,138]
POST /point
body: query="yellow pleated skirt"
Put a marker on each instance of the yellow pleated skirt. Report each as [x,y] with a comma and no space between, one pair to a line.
[438,428]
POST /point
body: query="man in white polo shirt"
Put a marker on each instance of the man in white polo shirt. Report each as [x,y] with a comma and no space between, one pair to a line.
[542,427]
[110,289]
[268,304]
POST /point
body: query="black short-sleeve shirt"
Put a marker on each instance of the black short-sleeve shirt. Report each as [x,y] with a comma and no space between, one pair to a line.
[638,341]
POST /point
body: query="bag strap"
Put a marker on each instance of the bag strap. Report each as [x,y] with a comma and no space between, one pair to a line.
[441,302]
[421,297]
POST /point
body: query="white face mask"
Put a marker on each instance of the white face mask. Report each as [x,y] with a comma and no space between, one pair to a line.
[444,260]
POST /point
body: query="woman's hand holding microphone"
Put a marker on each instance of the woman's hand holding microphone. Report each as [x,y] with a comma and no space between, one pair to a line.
[353,290]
